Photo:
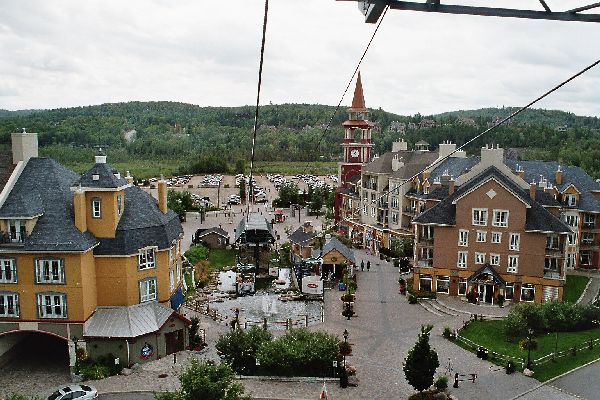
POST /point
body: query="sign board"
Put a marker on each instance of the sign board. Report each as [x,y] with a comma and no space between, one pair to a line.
[312,285]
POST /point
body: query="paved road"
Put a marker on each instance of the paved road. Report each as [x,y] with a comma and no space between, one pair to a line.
[583,382]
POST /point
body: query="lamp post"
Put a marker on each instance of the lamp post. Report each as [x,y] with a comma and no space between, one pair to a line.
[530,333]
[74,338]
[346,334]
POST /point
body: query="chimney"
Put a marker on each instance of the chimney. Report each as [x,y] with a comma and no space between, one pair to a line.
[24,146]
[520,171]
[532,190]
[558,176]
[100,157]
[162,195]
[79,210]
[491,155]
[548,188]
[129,178]
[396,163]
[446,148]
[445,176]
[437,183]
[399,146]
[451,186]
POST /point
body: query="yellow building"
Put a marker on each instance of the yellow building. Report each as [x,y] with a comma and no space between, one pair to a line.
[75,249]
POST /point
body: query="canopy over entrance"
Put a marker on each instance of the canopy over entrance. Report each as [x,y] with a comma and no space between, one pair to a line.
[486,275]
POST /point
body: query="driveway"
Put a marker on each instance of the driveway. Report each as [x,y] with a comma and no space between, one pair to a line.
[583,382]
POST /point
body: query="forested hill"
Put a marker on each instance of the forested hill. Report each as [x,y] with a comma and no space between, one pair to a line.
[217,138]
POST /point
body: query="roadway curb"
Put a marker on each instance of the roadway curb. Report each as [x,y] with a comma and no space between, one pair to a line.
[555,378]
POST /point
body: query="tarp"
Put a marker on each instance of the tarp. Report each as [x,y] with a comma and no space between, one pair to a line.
[177,299]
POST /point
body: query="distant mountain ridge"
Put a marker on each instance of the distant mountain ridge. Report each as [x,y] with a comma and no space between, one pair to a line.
[288,132]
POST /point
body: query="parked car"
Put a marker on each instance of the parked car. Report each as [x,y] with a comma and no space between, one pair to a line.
[79,392]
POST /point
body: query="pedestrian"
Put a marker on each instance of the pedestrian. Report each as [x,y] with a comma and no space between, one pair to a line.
[362,265]
[368,266]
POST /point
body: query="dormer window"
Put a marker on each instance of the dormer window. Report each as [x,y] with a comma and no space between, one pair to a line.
[95,177]
[570,200]
[16,230]
[96,207]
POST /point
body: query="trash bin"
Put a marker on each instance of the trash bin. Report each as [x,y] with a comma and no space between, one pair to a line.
[341,286]
[343,380]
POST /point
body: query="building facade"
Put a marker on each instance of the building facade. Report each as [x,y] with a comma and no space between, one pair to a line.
[73,244]
[491,237]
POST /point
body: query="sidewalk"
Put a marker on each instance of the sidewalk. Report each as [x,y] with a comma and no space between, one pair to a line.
[382,332]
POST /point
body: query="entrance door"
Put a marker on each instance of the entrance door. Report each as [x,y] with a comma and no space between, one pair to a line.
[481,292]
[489,293]
[174,341]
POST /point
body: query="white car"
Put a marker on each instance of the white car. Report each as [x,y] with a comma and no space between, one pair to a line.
[79,392]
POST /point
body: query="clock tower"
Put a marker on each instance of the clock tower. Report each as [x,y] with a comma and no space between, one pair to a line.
[357,141]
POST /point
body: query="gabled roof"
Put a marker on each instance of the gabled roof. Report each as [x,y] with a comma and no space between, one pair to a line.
[43,190]
[538,218]
[126,322]
[487,269]
[142,224]
[254,227]
[335,244]
[208,231]
[106,177]
[414,161]
[301,237]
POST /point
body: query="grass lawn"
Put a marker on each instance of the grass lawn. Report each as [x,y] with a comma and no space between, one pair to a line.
[574,287]
[221,258]
[487,334]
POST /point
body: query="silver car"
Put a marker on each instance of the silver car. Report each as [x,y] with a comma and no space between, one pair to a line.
[79,392]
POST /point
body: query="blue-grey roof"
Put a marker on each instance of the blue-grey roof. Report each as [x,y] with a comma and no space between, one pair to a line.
[533,170]
[335,244]
[43,188]
[106,177]
[142,224]
[299,236]
[570,176]
[538,218]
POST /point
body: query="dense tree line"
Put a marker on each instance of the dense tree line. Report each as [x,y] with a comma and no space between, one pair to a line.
[218,139]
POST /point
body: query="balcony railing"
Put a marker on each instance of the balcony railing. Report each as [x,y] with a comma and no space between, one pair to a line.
[426,262]
[426,239]
[552,274]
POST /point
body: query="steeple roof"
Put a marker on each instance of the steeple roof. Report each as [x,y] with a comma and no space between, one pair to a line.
[358,102]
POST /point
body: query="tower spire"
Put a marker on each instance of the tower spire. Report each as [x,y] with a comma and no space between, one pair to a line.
[358,102]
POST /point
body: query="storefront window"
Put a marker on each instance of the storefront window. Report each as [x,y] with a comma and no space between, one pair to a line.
[462,287]
[527,293]
[442,284]
[508,292]
[425,282]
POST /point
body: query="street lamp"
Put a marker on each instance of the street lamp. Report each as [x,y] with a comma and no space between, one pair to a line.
[346,334]
[530,333]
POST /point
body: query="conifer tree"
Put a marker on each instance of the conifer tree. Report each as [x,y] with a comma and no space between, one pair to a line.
[421,362]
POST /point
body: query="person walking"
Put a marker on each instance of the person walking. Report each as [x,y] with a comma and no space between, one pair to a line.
[368,266]
[362,265]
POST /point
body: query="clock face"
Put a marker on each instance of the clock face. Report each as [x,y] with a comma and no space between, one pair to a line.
[354,153]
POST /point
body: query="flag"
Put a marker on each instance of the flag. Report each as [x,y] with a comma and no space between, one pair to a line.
[323,395]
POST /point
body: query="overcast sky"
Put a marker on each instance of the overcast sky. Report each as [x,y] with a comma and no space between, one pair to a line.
[63,53]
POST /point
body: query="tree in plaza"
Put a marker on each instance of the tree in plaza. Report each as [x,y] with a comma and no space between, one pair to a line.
[206,381]
[288,194]
[421,362]
[239,347]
